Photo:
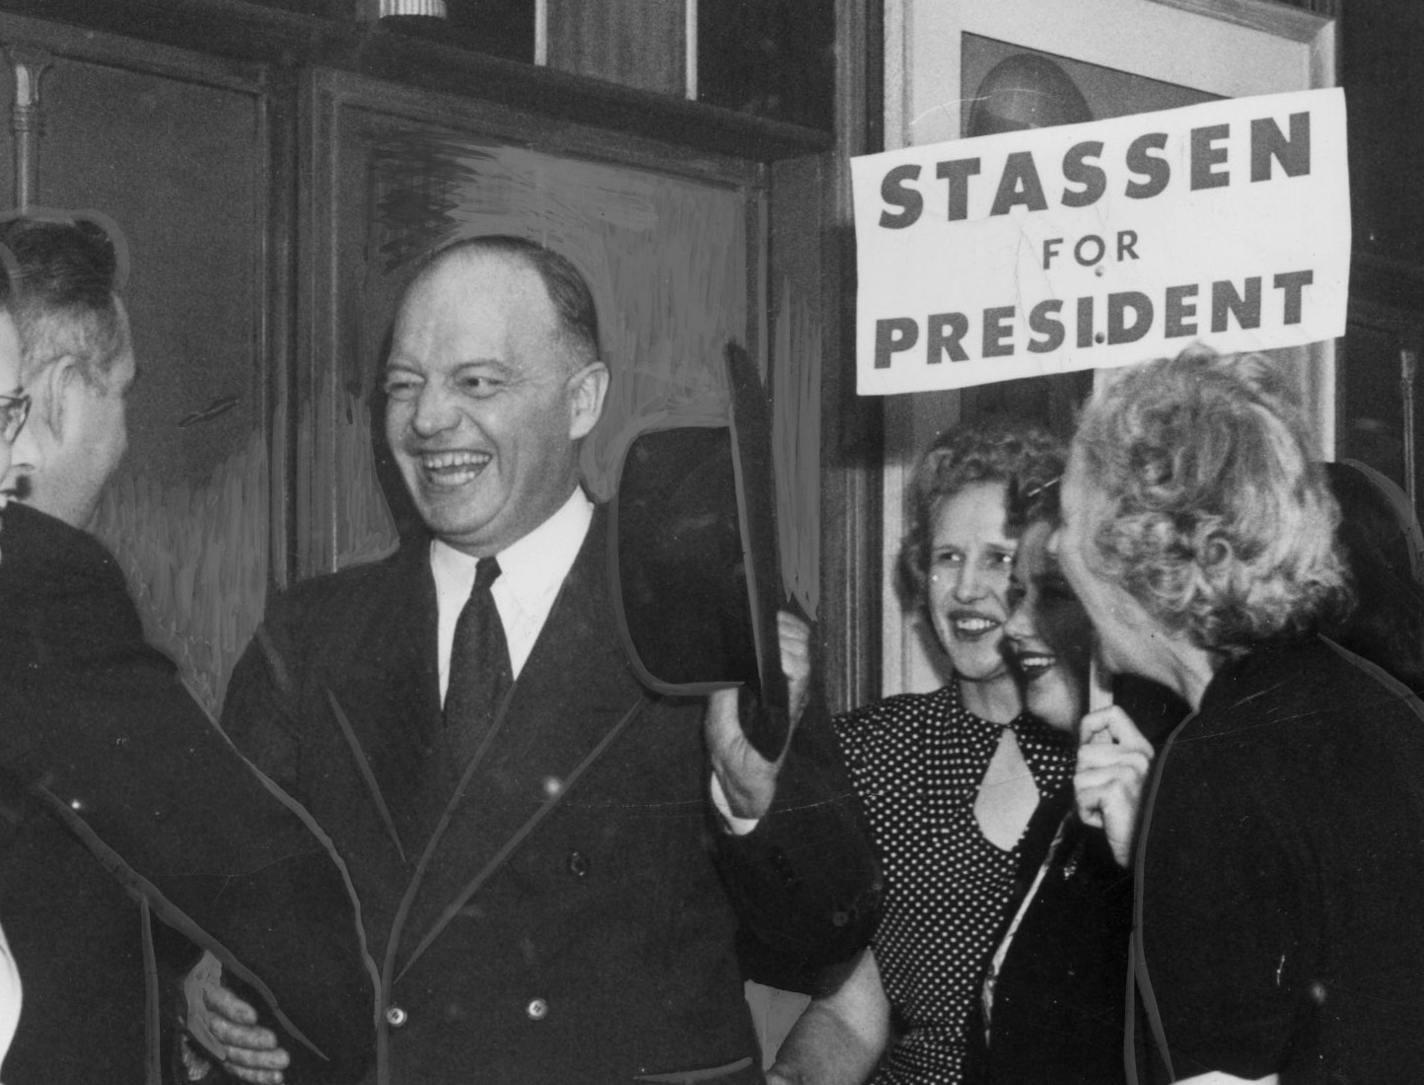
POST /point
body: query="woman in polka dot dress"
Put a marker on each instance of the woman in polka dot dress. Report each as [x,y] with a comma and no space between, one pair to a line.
[949,780]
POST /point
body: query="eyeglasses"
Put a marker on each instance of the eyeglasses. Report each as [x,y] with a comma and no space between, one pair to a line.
[13,412]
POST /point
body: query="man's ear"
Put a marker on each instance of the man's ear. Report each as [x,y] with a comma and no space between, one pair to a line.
[587,389]
[53,389]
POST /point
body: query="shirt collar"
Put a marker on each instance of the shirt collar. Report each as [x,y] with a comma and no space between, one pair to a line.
[531,565]
[532,569]
[541,559]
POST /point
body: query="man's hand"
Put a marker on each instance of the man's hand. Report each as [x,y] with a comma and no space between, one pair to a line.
[794,636]
[748,779]
[250,1052]
[1113,762]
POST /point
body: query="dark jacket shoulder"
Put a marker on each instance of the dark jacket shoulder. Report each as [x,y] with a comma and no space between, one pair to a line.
[353,591]
[63,597]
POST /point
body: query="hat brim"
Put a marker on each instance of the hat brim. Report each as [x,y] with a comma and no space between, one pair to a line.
[694,563]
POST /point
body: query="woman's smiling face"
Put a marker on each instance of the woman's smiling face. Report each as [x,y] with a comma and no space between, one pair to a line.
[970,559]
[1047,638]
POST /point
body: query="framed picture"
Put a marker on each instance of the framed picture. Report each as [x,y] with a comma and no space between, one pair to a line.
[1092,59]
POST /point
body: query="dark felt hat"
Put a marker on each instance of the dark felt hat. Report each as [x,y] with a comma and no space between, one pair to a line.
[693,558]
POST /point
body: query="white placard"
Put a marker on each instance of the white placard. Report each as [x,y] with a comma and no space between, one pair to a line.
[1103,244]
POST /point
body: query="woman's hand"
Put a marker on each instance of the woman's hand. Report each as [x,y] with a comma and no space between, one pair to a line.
[840,1037]
[1113,762]
[794,638]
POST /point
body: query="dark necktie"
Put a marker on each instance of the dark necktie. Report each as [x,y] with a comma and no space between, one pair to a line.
[480,673]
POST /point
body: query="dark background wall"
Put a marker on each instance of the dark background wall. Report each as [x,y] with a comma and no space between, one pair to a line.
[1382,42]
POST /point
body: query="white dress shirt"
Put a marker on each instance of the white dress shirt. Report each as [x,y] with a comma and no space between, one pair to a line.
[9,997]
[531,571]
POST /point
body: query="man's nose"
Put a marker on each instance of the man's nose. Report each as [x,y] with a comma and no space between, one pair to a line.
[25,455]
[434,410]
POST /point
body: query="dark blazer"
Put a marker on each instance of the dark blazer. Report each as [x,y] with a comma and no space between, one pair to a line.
[1280,872]
[121,802]
[567,912]
[1061,990]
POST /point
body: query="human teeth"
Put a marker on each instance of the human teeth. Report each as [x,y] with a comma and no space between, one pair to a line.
[451,470]
[435,461]
[974,625]
[1035,664]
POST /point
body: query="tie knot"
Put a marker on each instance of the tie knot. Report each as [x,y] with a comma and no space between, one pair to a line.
[485,573]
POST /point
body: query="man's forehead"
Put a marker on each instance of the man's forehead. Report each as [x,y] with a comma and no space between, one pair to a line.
[476,314]
[469,290]
[477,270]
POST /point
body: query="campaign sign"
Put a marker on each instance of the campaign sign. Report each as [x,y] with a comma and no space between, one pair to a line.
[1103,244]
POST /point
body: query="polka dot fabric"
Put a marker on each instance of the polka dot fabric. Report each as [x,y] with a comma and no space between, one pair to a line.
[917,761]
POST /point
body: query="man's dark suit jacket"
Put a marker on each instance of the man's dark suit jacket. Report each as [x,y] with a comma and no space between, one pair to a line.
[121,801]
[570,916]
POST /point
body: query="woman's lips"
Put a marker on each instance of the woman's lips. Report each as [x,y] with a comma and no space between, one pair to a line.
[972,626]
[1032,664]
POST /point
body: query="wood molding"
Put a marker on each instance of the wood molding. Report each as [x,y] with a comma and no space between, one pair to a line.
[1295,22]
[442,60]
[851,436]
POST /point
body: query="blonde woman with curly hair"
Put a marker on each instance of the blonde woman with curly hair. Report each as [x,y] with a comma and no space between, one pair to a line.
[1279,935]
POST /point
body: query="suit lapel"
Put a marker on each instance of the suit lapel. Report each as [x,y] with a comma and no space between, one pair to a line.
[575,687]
[389,697]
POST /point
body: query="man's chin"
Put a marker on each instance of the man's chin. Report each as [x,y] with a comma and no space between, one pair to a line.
[453,510]
[457,529]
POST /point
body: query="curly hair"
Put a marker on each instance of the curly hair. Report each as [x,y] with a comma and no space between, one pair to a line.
[1213,515]
[993,450]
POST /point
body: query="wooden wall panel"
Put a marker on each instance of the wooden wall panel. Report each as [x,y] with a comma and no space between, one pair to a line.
[853,543]
[174,148]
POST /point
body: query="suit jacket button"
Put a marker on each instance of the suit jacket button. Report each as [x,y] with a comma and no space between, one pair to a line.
[578,864]
[537,1009]
[396,1016]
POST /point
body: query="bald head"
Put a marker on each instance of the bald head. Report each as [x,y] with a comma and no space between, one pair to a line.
[490,388]
[576,317]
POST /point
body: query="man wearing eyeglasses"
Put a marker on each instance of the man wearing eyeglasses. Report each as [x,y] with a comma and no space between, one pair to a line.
[14,410]
[122,803]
